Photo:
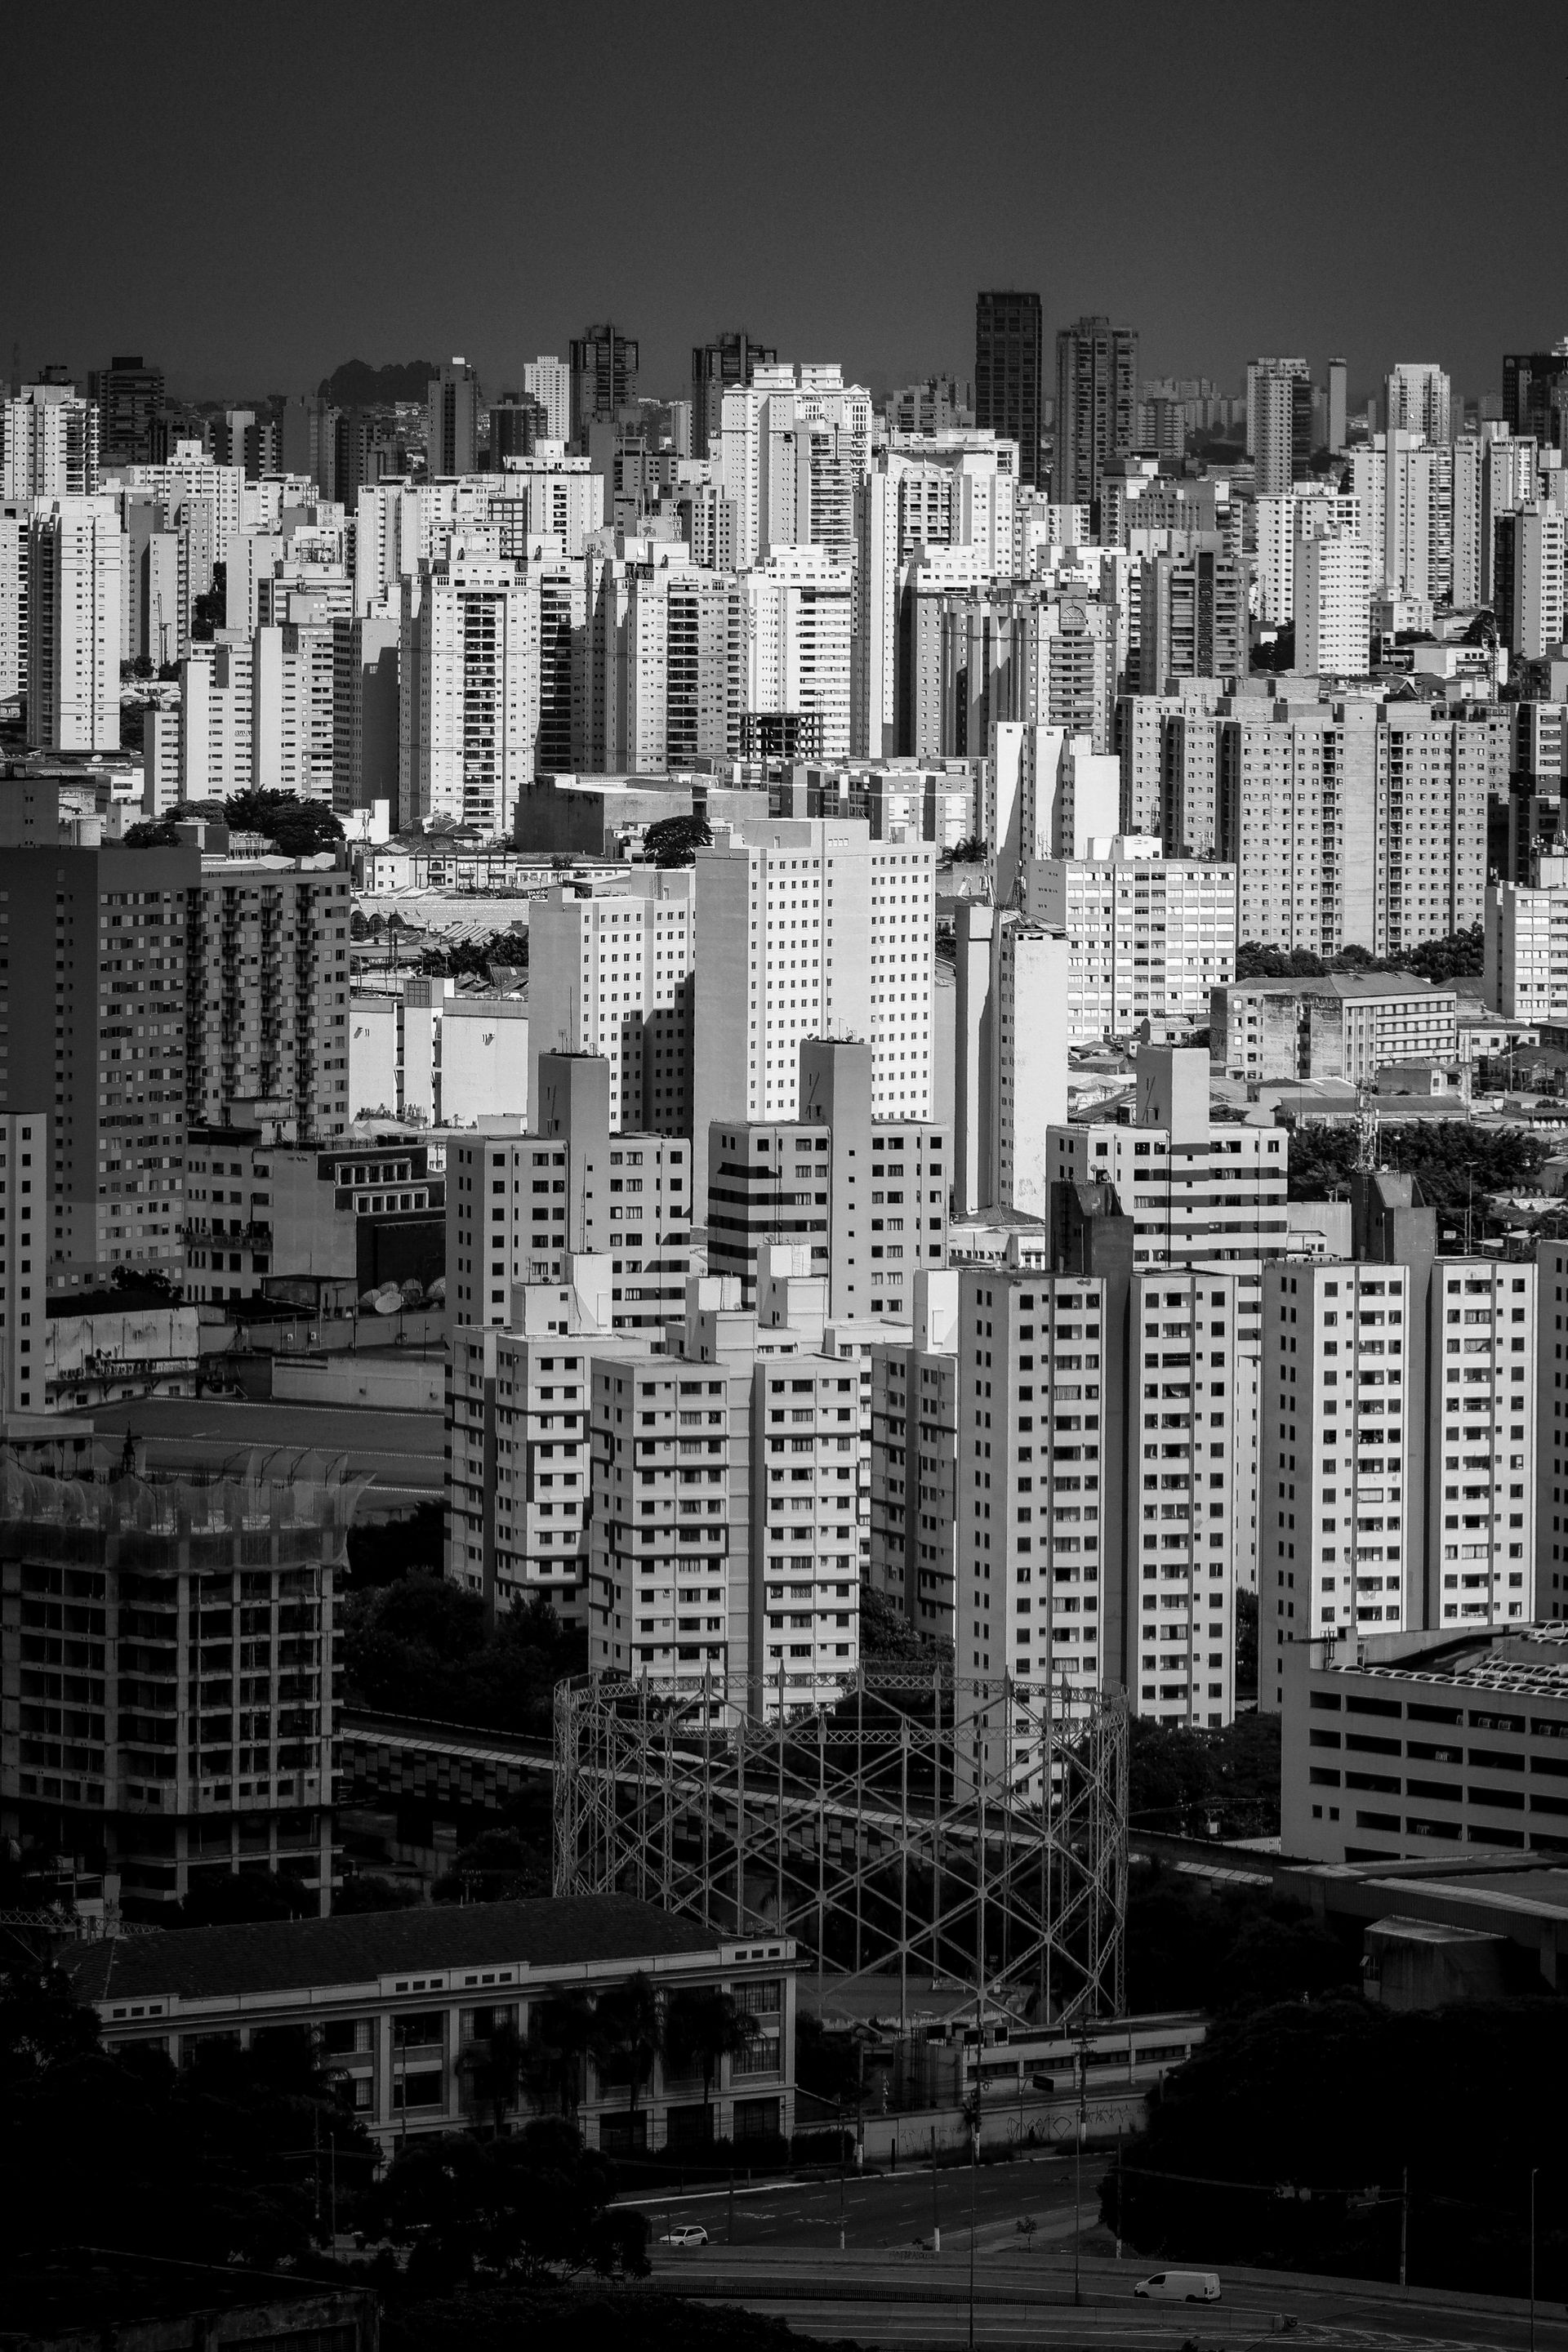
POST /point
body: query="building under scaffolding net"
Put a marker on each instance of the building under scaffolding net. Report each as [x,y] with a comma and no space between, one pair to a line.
[918,1831]
[167,1655]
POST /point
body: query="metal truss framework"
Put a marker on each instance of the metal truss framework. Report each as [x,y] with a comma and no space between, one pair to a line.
[914,1826]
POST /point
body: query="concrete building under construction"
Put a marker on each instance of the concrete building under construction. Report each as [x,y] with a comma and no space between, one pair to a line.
[168,1653]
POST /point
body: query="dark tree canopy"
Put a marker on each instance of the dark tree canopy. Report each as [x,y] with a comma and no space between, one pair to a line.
[1460,956]
[1455,1164]
[675,840]
[1182,1781]
[115,2148]
[516,2208]
[1339,2098]
[301,828]
[354,383]
[421,1646]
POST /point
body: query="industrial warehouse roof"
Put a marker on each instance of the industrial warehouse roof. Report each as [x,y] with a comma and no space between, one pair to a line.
[293,1955]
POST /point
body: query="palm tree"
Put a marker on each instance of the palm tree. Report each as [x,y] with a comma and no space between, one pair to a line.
[702,2027]
[628,2033]
[561,2032]
[495,2069]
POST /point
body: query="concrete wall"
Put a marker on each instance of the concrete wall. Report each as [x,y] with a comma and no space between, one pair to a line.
[406,1383]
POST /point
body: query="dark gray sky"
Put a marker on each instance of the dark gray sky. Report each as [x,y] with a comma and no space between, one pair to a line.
[251,196]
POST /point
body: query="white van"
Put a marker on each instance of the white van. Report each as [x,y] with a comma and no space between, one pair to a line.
[1180,2286]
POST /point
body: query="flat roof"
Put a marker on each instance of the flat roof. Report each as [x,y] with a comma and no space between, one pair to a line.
[1531,1660]
[278,1956]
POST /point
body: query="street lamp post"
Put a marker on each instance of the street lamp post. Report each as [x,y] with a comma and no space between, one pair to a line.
[973,2174]
[1532,2178]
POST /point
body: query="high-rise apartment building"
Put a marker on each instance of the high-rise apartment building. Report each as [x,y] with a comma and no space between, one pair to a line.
[811,930]
[1309,512]
[1177,1615]
[109,1067]
[48,444]
[452,420]
[128,397]
[1528,561]
[1535,395]
[1344,1026]
[1332,594]
[1192,618]
[1197,1194]
[1397,1480]
[1526,971]
[602,366]
[75,574]
[1009,375]
[547,381]
[726,364]
[1033,1563]
[1356,823]
[470,682]
[519,1203]
[1147,935]
[1010,1058]
[914,1460]
[612,973]
[1418,399]
[1097,406]
[1339,378]
[798,619]
[866,1196]
[266,998]
[1279,423]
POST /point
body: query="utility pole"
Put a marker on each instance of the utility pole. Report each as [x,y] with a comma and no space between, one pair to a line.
[973,2174]
[1404,2221]
[841,2176]
[935,2212]
[1077,2172]
[1532,2176]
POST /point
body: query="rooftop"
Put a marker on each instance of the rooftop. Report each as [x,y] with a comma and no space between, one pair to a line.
[1342,984]
[1532,1660]
[278,1956]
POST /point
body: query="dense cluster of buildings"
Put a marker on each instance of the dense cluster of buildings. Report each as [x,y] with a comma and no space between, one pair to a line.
[877,1186]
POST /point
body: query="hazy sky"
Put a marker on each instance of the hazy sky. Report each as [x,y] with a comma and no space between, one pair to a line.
[251,196]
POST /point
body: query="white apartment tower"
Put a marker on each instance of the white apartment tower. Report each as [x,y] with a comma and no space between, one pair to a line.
[611,974]
[469,680]
[1331,592]
[548,381]
[799,608]
[1147,935]
[811,930]
[1526,969]
[1182,1469]
[1032,1568]
[76,582]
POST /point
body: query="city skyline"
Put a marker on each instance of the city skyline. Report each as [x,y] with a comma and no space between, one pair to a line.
[524,241]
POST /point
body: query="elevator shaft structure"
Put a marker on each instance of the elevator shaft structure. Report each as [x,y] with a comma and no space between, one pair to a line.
[916,1829]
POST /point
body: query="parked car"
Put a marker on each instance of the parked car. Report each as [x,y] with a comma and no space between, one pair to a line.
[691,2233]
[1180,2286]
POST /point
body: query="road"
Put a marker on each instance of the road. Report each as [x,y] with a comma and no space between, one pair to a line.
[887,2287]
[401,1453]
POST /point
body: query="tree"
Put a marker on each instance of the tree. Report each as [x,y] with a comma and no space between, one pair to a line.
[1461,956]
[114,2149]
[498,1866]
[1255,961]
[495,2069]
[299,828]
[1316,2112]
[152,833]
[534,2203]
[628,2035]
[702,2026]
[675,840]
[825,2064]
[561,2033]
[209,610]
[972,851]
[1182,1781]
[885,1632]
[420,1647]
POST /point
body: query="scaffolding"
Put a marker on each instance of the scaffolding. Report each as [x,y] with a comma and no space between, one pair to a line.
[913,1831]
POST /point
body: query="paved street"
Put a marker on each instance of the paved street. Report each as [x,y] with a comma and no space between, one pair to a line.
[886,2288]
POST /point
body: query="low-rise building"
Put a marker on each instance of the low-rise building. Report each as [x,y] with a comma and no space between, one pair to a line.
[1398,1746]
[369,1211]
[1342,1026]
[407,2005]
